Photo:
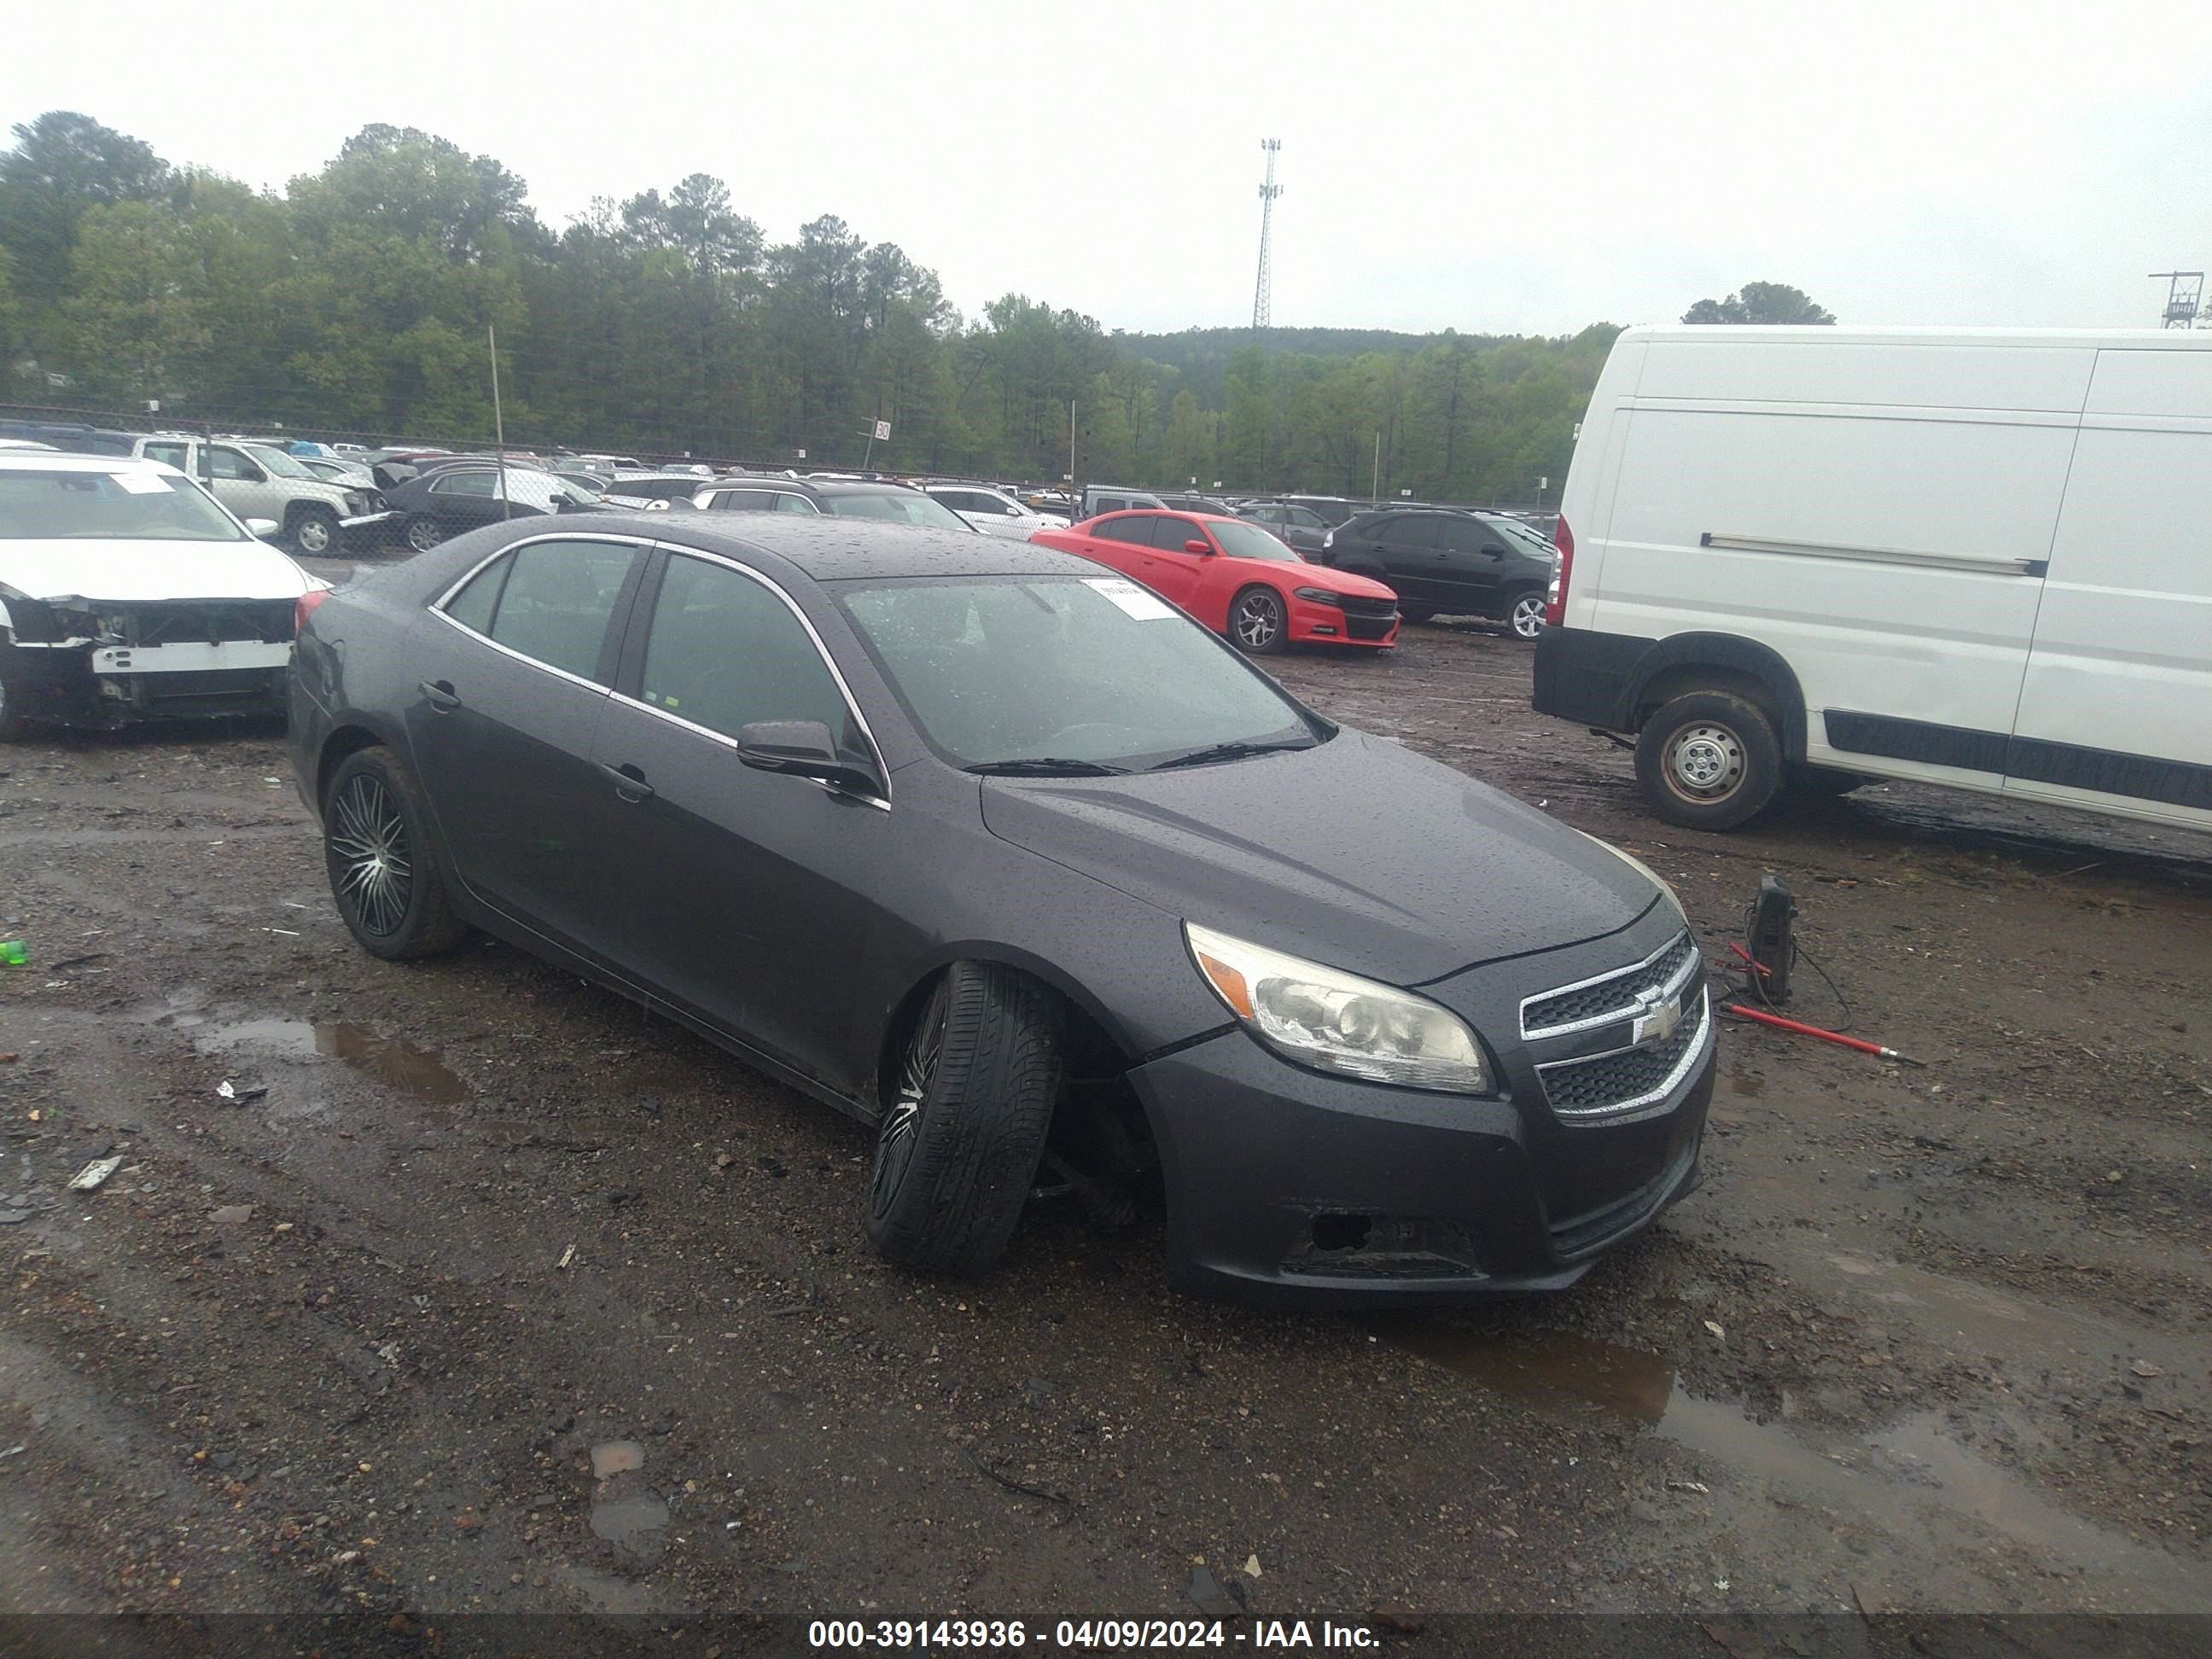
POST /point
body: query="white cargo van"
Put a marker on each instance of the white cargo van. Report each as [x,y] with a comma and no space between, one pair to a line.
[1812,556]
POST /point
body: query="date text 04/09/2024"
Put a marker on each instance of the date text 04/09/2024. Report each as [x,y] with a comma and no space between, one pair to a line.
[920,1635]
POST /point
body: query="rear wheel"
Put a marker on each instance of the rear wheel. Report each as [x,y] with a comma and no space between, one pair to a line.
[1524,613]
[1257,621]
[424,533]
[1709,761]
[12,723]
[390,892]
[965,1120]
[1415,613]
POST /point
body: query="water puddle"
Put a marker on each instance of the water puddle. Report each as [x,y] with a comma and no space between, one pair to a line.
[1887,1479]
[630,1522]
[402,1066]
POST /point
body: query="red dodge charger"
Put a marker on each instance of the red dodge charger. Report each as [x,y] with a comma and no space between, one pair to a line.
[1237,579]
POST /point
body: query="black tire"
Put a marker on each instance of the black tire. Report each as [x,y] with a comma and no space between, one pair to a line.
[313,532]
[1824,781]
[423,532]
[1524,612]
[1709,761]
[1259,621]
[964,1120]
[1414,613]
[390,893]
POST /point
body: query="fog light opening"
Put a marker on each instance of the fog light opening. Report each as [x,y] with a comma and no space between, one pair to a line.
[1340,1230]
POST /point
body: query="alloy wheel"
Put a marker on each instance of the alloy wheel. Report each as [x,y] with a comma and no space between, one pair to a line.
[1527,616]
[1704,762]
[423,534]
[370,840]
[901,1128]
[313,535]
[1259,620]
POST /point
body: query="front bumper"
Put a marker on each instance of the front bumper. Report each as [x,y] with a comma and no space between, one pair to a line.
[364,521]
[1290,1188]
[1312,623]
[104,686]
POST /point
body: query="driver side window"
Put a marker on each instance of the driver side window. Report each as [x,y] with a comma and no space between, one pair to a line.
[229,463]
[724,651]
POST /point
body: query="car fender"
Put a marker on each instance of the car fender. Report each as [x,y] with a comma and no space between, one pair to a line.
[1734,654]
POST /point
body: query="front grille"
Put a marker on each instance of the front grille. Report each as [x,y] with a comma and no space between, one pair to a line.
[211,623]
[1370,628]
[1611,996]
[1628,1080]
[1354,605]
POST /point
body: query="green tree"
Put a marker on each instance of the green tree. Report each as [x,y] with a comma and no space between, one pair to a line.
[1759,302]
[137,306]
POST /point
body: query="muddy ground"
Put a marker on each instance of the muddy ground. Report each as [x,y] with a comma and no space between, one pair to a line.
[488,1293]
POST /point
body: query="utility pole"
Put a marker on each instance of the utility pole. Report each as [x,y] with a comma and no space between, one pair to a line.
[1263,295]
[2183,290]
[1375,484]
[1071,445]
[498,424]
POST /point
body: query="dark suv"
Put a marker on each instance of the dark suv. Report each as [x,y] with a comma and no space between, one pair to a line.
[1459,564]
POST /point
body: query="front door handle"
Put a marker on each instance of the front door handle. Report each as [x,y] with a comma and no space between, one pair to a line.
[441,695]
[629,782]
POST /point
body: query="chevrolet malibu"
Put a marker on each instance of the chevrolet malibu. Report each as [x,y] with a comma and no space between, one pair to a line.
[999,853]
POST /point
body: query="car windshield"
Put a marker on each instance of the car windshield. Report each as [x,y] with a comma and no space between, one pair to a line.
[899,505]
[575,492]
[1249,541]
[1528,536]
[1093,670]
[283,465]
[138,505]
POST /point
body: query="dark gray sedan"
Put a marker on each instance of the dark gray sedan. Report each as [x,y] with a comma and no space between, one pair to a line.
[993,850]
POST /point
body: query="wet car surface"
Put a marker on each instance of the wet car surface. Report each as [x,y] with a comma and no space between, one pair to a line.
[1930,1340]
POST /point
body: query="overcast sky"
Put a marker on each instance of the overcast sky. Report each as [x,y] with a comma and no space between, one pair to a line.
[1532,168]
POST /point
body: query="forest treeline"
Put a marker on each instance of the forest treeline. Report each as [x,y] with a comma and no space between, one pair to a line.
[359,300]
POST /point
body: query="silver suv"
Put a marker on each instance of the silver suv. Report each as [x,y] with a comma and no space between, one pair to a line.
[259,481]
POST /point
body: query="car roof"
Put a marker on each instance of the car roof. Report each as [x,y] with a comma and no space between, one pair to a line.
[830,549]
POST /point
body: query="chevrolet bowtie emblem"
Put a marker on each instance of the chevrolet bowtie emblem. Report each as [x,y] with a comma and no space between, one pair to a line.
[1655,1021]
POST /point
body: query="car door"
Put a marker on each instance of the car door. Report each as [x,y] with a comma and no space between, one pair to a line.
[1170,569]
[463,498]
[1470,563]
[749,899]
[243,485]
[1408,547]
[514,682]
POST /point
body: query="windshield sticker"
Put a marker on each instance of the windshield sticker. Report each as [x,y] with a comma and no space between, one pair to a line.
[141,483]
[1134,600]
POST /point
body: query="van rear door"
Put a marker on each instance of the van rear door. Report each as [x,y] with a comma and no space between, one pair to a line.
[2116,706]
[1877,513]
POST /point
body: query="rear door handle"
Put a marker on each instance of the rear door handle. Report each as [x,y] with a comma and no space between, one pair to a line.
[629,782]
[441,696]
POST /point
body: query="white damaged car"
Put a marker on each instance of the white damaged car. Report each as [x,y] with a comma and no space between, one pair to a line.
[128,593]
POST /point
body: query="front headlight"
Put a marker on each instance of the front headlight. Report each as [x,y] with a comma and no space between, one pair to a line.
[657,506]
[1645,871]
[1319,595]
[1338,1021]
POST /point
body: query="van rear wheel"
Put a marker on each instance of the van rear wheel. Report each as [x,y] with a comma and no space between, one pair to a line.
[1709,761]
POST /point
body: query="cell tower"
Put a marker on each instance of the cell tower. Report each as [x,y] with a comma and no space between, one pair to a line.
[2182,291]
[1262,297]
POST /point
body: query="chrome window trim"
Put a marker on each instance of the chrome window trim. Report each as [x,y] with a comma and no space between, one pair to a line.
[1672,987]
[1652,1099]
[678,549]
[437,606]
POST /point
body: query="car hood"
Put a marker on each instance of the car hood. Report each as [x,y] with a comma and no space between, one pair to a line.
[1345,582]
[1358,853]
[127,571]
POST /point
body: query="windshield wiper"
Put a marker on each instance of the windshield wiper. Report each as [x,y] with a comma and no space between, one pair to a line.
[1045,766]
[1225,751]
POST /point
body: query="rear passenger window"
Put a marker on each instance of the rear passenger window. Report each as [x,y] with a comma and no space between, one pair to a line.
[557,601]
[1135,530]
[1411,530]
[725,651]
[472,607]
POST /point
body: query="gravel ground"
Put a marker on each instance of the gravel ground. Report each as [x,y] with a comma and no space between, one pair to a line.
[488,1293]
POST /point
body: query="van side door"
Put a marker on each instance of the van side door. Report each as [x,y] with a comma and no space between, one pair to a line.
[2116,708]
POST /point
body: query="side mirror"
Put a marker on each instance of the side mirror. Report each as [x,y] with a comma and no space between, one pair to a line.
[265,529]
[1194,545]
[802,749]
